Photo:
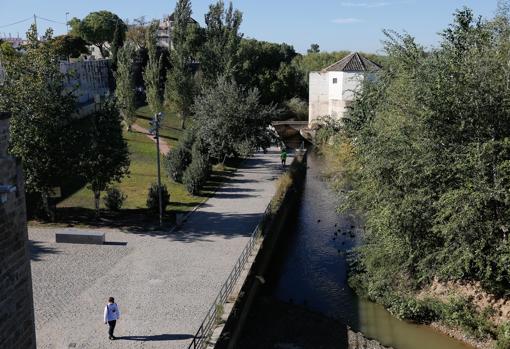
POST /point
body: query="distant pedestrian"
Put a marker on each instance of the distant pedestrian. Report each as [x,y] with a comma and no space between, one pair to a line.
[111,315]
[283,156]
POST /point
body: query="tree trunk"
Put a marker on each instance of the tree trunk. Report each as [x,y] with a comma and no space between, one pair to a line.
[97,196]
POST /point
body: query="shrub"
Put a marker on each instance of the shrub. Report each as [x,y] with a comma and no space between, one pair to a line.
[196,174]
[114,199]
[416,310]
[459,312]
[297,109]
[153,197]
[503,341]
[176,162]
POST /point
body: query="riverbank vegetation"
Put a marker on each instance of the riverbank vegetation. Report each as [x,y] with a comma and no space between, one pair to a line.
[424,158]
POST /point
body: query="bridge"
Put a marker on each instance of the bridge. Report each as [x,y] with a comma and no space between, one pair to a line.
[293,132]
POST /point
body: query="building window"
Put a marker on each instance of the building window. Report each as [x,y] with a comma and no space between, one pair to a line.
[335,80]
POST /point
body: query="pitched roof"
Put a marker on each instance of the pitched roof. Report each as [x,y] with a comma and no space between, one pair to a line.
[353,63]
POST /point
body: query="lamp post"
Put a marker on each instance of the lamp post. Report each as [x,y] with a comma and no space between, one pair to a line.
[154,130]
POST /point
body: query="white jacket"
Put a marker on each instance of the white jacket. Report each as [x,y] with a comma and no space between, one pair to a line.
[111,312]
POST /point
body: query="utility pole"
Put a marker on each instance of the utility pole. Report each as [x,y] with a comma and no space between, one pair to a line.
[67,23]
[156,123]
[35,24]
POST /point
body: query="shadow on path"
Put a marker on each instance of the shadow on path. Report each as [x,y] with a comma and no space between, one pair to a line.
[160,337]
[37,250]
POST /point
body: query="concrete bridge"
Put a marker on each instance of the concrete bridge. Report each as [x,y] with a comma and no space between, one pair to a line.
[293,132]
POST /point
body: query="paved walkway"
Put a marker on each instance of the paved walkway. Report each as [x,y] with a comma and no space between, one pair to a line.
[164,147]
[164,283]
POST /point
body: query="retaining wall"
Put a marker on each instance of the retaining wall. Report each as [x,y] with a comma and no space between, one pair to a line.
[17,329]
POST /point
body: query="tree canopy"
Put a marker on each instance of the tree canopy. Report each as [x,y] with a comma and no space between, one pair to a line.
[426,151]
[97,28]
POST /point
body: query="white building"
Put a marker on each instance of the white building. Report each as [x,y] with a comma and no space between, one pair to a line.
[164,33]
[332,90]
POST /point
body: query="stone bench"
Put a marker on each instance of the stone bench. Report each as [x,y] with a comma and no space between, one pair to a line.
[75,236]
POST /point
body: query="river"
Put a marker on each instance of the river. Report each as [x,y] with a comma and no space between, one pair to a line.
[312,270]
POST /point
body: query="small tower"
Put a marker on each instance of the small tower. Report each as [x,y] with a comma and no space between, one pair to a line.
[332,90]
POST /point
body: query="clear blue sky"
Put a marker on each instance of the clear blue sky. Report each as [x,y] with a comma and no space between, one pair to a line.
[333,24]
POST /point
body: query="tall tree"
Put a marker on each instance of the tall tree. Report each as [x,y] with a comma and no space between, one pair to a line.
[125,84]
[180,85]
[152,71]
[105,156]
[97,28]
[219,54]
[230,120]
[314,48]
[69,46]
[42,134]
[119,35]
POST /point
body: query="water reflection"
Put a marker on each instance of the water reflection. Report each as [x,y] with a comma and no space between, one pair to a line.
[312,270]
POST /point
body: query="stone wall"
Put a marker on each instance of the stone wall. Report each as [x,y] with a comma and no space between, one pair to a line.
[17,330]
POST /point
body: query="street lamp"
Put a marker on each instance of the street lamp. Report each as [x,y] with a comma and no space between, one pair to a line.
[154,130]
[5,190]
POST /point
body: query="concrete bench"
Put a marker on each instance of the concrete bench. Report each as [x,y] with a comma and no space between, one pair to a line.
[75,236]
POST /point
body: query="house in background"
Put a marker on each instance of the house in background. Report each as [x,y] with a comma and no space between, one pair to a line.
[332,90]
[164,33]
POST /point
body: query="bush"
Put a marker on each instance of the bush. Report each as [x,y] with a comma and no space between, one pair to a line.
[176,162]
[503,341]
[196,174]
[459,312]
[114,199]
[296,108]
[153,197]
[416,310]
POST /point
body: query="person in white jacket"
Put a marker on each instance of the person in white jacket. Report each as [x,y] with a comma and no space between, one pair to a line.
[111,315]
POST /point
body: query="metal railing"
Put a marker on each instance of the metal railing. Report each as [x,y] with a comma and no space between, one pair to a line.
[205,330]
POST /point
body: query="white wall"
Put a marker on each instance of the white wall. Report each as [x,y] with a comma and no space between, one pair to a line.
[351,82]
[335,90]
[318,94]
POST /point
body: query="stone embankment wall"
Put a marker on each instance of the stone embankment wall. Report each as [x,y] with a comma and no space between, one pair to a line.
[17,330]
[88,80]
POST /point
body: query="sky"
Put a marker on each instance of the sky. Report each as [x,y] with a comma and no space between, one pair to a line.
[354,25]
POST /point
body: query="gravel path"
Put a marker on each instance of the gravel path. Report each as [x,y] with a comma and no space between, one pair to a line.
[164,283]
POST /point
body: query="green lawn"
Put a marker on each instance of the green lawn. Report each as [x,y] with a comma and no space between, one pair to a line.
[170,127]
[143,172]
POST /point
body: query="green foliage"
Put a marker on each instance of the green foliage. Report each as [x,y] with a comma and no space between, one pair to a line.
[69,46]
[416,310]
[314,48]
[267,67]
[114,199]
[197,173]
[153,198]
[180,86]
[430,140]
[228,119]
[105,157]
[177,161]
[41,132]
[219,52]
[461,313]
[152,71]
[119,35]
[98,28]
[125,84]
[503,339]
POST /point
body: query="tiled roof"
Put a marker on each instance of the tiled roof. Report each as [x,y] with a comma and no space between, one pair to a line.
[353,63]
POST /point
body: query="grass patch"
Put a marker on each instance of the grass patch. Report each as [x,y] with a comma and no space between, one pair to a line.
[76,206]
[170,127]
